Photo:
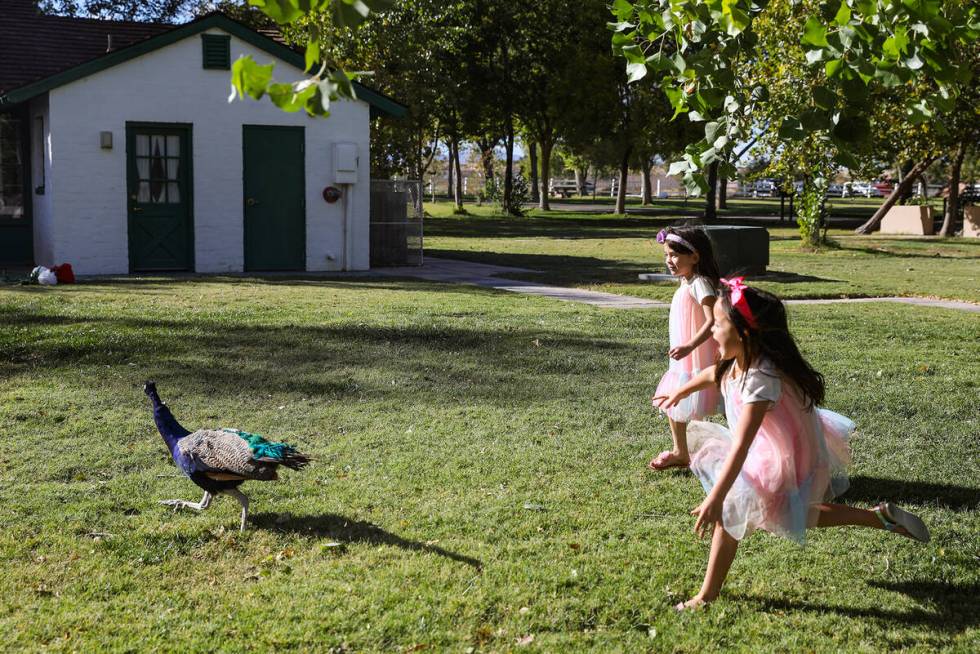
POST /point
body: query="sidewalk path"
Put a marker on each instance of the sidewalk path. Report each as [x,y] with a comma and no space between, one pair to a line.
[453,271]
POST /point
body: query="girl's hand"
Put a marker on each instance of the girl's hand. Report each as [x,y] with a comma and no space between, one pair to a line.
[709,515]
[665,401]
[679,352]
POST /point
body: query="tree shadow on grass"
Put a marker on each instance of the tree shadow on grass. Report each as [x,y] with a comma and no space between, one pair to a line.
[333,361]
[346,530]
[872,490]
[948,607]
[951,606]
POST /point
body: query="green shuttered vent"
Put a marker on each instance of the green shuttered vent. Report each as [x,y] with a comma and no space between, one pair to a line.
[216,49]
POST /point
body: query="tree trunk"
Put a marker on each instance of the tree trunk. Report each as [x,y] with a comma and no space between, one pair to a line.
[509,165]
[904,171]
[486,157]
[953,199]
[580,177]
[647,187]
[624,172]
[450,171]
[723,193]
[710,212]
[545,202]
[901,189]
[458,195]
[533,152]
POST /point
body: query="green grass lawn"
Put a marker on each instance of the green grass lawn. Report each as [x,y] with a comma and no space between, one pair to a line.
[607,252]
[479,476]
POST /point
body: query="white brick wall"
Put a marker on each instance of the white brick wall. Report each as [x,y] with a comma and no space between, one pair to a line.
[86,221]
[43,214]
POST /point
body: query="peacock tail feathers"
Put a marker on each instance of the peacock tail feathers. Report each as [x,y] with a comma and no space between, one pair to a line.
[266,450]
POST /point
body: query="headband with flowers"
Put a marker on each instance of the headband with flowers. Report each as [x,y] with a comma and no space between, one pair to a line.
[664,235]
[736,286]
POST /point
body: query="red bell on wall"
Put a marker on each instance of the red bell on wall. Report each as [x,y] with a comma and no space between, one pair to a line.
[331,194]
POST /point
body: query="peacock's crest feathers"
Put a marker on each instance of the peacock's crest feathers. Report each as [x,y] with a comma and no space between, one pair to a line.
[266,450]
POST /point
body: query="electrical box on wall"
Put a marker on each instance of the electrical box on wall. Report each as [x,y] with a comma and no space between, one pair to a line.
[345,163]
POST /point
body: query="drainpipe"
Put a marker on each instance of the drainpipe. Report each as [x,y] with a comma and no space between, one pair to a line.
[348,224]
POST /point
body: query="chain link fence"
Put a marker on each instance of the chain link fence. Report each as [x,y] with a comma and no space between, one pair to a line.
[396,223]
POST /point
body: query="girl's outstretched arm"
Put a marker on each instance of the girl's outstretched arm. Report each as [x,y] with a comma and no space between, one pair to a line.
[703,334]
[702,380]
[709,511]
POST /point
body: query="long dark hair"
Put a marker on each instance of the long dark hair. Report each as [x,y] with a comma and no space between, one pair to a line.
[770,338]
[706,266]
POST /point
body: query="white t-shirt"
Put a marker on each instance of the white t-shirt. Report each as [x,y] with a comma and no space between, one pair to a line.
[699,288]
[760,383]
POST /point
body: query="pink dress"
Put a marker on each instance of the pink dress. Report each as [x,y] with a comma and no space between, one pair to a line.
[796,461]
[686,319]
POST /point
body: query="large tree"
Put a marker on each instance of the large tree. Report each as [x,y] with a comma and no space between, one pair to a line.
[698,49]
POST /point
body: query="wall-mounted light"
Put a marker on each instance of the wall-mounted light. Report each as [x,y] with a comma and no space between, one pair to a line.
[105,140]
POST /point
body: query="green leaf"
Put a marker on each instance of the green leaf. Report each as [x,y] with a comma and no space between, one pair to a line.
[249,78]
[679,63]
[677,167]
[815,32]
[852,129]
[635,72]
[843,16]
[813,56]
[824,97]
[815,120]
[312,54]
[791,129]
[897,44]
[281,11]
[711,130]
[759,93]
[621,26]
[633,54]
[623,9]
[658,62]
[833,67]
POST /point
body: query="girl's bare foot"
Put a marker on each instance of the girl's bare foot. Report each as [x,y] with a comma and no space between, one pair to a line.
[692,604]
[668,459]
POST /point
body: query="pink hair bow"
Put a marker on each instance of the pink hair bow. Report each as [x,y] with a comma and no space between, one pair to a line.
[736,286]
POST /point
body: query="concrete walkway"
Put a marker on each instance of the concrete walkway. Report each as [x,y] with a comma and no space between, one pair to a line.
[453,271]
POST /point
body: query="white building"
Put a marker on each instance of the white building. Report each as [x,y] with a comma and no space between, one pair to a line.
[119,152]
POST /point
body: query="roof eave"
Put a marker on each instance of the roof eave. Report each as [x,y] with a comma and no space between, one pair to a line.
[380,104]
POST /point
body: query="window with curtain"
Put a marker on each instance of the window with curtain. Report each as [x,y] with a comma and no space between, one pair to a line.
[158,168]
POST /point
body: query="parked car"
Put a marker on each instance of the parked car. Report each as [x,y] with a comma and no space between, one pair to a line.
[860,189]
[835,191]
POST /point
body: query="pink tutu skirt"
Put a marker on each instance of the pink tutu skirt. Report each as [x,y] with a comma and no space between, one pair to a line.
[796,461]
[686,319]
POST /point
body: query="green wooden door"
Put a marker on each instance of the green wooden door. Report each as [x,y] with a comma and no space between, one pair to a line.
[275,208]
[161,233]
[16,231]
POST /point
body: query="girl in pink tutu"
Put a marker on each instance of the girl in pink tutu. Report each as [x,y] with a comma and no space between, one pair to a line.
[689,256]
[782,458]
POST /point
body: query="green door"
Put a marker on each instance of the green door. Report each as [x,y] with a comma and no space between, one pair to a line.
[16,232]
[159,190]
[275,208]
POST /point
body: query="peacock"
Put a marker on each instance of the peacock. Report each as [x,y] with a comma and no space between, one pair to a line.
[220,460]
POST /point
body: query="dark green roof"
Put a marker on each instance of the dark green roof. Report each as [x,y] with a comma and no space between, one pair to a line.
[380,103]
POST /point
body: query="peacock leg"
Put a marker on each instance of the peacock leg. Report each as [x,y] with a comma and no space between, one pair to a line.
[243,500]
[184,504]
